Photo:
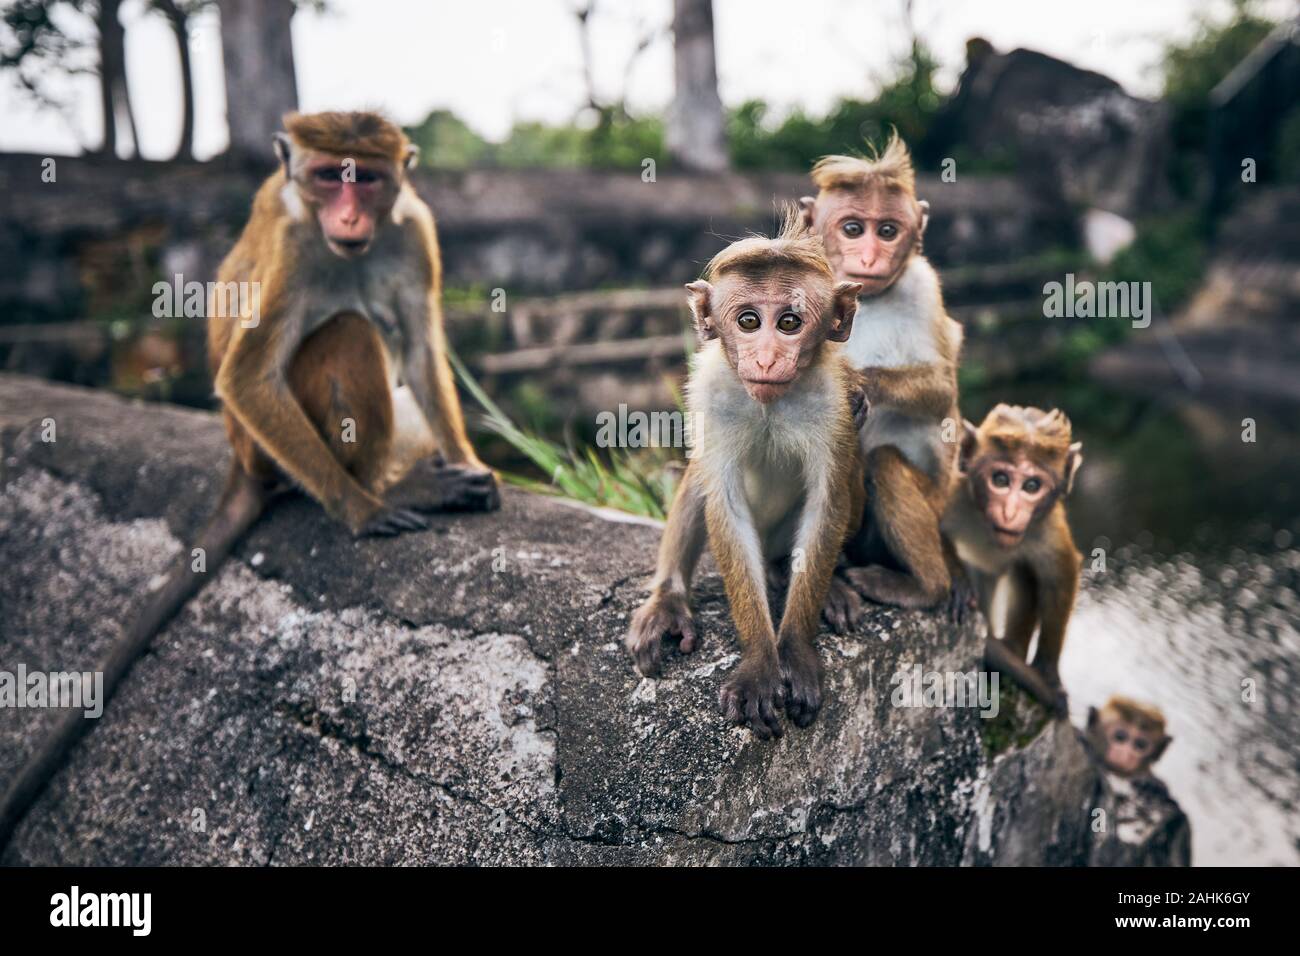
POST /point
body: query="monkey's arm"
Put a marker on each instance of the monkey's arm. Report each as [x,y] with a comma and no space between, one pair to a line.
[925,391]
[752,694]
[252,384]
[429,374]
[999,657]
[667,609]
[1057,585]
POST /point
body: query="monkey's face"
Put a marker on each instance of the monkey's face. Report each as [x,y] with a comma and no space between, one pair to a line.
[350,198]
[1011,493]
[869,234]
[771,325]
[1128,747]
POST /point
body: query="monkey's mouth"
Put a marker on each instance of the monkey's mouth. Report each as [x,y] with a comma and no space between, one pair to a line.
[1007,537]
[766,390]
[347,248]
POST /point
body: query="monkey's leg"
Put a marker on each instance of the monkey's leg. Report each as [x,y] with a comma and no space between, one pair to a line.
[667,610]
[260,398]
[242,501]
[800,665]
[753,693]
[901,509]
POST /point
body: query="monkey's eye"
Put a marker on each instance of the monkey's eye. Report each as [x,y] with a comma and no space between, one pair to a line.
[1032,485]
[748,320]
[367,176]
[789,323]
[1001,479]
[1120,735]
[852,228]
[887,231]
[1140,744]
[328,174]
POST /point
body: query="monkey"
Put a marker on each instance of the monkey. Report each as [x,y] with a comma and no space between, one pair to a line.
[341,262]
[1127,735]
[773,472]
[1007,524]
[908,348]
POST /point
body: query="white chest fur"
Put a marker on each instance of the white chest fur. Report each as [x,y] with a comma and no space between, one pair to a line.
[889,330]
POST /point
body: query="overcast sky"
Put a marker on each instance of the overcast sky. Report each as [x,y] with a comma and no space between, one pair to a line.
[496,61]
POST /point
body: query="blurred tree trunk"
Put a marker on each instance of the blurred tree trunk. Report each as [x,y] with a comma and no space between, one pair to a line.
[696,134]
[180,24]
[112,76]
[257,50]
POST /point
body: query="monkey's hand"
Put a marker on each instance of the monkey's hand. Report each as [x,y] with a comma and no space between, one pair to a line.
[962,601]
[801,669]
[388,521]
[753,695]
[844,606]
[859,403]
[432,485]
[663,613]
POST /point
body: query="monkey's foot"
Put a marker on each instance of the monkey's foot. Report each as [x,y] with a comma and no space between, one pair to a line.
[801,670]
[844,608]
[886,586]
[389,521]
[662,614]
[753,696]
[431,486]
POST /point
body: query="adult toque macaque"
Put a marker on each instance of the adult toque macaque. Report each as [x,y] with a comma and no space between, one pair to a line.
[774,471]
[339,285]
[907,349]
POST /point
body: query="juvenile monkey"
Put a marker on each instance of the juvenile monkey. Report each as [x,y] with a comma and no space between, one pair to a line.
[1008,524]
[774,473]
[907,348]
[340,259]
[1127,735]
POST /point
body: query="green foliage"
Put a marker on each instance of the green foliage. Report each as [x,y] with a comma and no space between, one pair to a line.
[615,140]
[1192,69]
[447,142]
[636,483]
[907,103]
[1286,150]
[1170,253]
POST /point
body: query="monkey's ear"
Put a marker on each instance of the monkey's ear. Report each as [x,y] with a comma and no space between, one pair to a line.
[1093,717]
[969,438]
[283,149]
[925,216]
[807,204]
[1073,459]
[1159,749]
[701,303]
[844,306]
[412,156]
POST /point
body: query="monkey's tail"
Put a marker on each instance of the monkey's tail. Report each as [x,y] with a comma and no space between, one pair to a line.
[242,503]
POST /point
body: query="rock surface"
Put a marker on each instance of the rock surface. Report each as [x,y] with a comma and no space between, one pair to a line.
[461,695]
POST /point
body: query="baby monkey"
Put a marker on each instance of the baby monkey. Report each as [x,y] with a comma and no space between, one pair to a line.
[774,474]
[1128,736]
[1008,525]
